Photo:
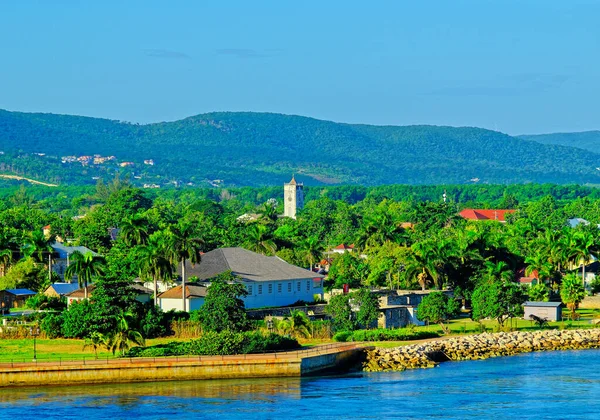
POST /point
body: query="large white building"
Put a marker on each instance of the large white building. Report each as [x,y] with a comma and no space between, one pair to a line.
[293,196]
[270,281]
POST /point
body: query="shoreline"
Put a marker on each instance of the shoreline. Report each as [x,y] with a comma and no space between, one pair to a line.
[478,347]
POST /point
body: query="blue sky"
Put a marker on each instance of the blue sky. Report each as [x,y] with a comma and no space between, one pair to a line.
[515,66]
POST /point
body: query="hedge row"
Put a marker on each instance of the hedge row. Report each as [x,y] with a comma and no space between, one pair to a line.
[223,343]
[403,334]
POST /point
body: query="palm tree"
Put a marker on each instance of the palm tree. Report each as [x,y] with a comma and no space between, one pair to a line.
[571,292]
[420,265]
[94,341]
[85,267]
[154,262]
[6,257]
[296,324]
[259,239]
[498,271]
[134,231]
[35,245]
[539,262]
[124,335]
[184,245]
[311,250]
[581,249]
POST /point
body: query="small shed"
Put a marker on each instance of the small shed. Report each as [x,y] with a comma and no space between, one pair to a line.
[14,298]
[552,311]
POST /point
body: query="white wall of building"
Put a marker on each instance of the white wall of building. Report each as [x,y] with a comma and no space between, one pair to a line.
[281,292]
[166,304]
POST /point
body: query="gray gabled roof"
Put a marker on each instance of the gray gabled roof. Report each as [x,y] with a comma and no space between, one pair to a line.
[247,265]
[543,304]
[64,250]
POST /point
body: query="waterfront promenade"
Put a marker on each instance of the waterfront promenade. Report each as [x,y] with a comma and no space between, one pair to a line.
[277,364]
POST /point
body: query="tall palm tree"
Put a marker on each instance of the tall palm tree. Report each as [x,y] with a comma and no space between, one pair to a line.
[85,267]
[6,257]
[134,231]
[539,262]
[184,245]
[155,262]
[121,339]
[498,271]
[259,239]
[35,245]
[311,249]
[582,247]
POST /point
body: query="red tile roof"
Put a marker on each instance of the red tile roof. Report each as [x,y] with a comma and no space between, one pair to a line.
[344,246]
[480,214]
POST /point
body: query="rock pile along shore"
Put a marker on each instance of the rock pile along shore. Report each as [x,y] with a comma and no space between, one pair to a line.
[480,346]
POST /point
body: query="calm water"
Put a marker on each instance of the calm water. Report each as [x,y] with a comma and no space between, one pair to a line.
[538,385]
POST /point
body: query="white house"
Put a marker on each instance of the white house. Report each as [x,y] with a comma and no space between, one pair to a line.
[270,281]
[172,298]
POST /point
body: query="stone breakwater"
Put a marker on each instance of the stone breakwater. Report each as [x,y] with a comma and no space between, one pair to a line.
[480,346]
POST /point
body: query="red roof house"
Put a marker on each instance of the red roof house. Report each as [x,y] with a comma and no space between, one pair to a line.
[480,214]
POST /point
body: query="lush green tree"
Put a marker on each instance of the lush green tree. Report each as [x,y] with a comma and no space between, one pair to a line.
[86,267]
[348,268]
[572,292]
[582,248]
[539,293]
[223,307]
[498,300]
[341,313]
[436,308]
[27,274]
[354,310]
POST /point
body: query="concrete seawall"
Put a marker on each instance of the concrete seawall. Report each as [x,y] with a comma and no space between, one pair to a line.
[298,363]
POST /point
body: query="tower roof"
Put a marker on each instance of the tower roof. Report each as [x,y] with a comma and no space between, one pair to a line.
[293,181]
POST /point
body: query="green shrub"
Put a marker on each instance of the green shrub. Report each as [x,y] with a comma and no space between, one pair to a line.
[51,325]
[79,320]
[402,334]
[219,343]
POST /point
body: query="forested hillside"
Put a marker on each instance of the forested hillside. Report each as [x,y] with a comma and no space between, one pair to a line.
[588,140]
[236,149]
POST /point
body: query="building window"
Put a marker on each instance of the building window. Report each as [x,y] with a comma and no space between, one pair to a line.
[270,288]
[289,287]
[249,289]
[299,286]
[279,287]
[260,289]
[317,285]
[308,286]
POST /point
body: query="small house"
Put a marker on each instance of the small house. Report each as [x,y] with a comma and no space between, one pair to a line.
[143,294]
[173,298]
[60,289]
[14,298]
[551,311]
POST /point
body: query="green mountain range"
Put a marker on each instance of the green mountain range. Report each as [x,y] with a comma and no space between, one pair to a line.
[587,140]
[244,148]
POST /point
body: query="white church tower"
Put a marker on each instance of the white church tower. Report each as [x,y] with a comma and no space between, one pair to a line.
[293,196]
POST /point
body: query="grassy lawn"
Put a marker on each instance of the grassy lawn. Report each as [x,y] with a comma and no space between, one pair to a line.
[70,349]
